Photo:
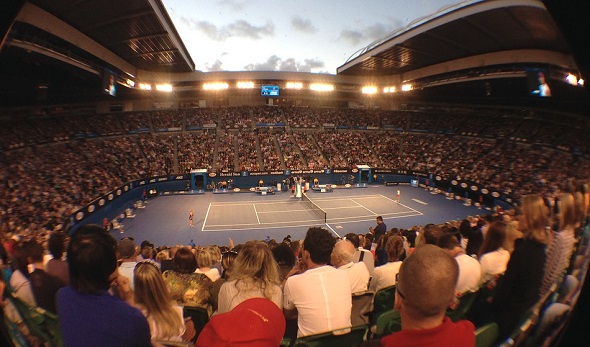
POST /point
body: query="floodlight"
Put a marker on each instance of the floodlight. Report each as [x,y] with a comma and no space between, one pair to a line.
[215,86]
[319,87]
[245,84]
[164,87]
[406,87]
[294,85]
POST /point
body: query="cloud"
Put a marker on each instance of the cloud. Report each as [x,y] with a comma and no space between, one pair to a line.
[211,31]
[303,25]
[236,6]
[352,36]
[275,63]
[370,33]
[239,28]
[217,66]
[242,28]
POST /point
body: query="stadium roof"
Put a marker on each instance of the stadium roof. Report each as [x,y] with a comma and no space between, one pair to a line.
[139,31]
[477,29]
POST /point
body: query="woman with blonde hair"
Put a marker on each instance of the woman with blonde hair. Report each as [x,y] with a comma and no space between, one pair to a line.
[518,289]
[254,274]
[153,299]
[385,274]
[559,251]
[205,261]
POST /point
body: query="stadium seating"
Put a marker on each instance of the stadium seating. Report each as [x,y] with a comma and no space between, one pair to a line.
[351,337]
[382,302]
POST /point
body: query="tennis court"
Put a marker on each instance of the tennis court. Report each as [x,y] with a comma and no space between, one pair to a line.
[246,215]
[243,216]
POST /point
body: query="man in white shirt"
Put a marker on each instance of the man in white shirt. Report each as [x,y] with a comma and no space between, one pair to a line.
[126,253]
[358,273]
[469,268]
[320,295]
[361,254]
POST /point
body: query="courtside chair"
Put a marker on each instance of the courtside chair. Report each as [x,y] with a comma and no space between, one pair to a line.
[348,337]
[487,335]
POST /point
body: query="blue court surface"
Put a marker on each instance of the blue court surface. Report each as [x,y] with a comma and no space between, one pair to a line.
[249,216]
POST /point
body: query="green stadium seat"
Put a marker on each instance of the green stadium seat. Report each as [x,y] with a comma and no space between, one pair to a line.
[349,337]
[487,335]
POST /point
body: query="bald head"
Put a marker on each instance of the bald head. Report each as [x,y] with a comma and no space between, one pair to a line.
[342,253]
[427,280]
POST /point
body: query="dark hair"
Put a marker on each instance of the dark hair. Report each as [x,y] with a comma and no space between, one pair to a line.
[185,261]
[319,242]
[465,228]
[55,244]
[19,259]
[354,238]
[284,255]
[3,254]
[380,218]
[92,259]
[448,241]
[411,237]
[35,251]
[431,233]
[494,238]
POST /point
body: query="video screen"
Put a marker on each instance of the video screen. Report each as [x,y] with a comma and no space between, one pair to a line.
[537,80]
[269,91]
[109,82]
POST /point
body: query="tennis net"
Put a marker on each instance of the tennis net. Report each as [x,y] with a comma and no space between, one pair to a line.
[321,214]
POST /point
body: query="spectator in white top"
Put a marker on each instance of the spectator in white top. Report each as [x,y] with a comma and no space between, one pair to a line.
[493,258]
[385,275]
[358,273]
[320,295]
[361,254]
[469,268]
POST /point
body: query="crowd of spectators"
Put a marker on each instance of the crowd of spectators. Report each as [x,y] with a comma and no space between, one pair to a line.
[269,151]
[248,156]
[311,281]
[75,159]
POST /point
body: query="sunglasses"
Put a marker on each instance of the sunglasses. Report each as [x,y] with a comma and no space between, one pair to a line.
[397,287]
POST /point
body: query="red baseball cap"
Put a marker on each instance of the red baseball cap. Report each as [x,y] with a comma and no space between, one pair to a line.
[256,322]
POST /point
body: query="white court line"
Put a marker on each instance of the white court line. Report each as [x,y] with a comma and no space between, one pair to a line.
[256,213]
[206,215]
[222,203]
[399,203]
[314,222]
[342,208]
[263,224]
[372,216]
[420,201]
[339,220]
[348,198]
[334,220]
[335,233]
[257,227]
[363,206]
